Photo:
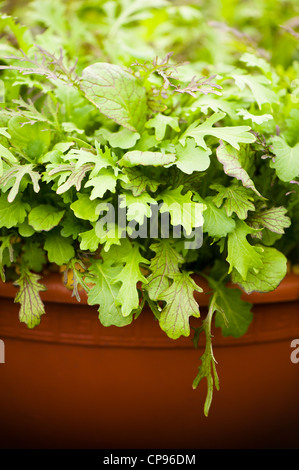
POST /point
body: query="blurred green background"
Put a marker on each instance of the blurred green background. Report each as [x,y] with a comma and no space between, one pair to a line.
[199,31]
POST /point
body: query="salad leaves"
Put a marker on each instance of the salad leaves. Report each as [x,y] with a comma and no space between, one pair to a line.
[115,157]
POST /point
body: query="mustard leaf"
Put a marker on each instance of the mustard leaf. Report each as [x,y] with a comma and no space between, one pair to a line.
[233,135]
[165,263]
[180,305]
[229,157]
[268,276]
[116,93]
[32,307]
[104,292]
[286,161]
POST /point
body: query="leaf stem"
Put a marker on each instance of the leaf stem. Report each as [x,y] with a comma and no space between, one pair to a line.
[207,368]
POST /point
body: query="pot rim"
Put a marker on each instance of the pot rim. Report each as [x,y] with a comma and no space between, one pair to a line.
[57,292]
[75,324]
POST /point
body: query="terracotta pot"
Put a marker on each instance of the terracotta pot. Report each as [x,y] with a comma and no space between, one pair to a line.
[71,383]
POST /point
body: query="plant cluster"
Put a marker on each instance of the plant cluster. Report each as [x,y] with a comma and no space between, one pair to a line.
[213,144]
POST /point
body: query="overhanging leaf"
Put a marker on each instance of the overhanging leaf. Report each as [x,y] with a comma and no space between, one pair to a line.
[268,277]
[32,307]
[237,312]
[180,305]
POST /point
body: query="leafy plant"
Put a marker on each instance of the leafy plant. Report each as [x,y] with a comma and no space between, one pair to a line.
[135,176]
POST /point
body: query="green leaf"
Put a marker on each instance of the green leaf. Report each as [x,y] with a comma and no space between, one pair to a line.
[5,245]
[124,138]
[13,176]
[252,60]
[136,157]
[85,208]
[25,230]
[180,305]
[71,226]
[259,86]
[69,176]
[60,249]
[137,182]
[214,103]
[109,234]
[138,207]
[160,123]
[116,93]
[165,263]
[103,158]
[183,211]
[34,256]
[12,213]
[257,119]
[274,219]
[232,166]
[129,276]
[286,162]
[207,369]
[268,277]
[89,240]
[105,181]
[233,135]
[105,292]
[21,33]
[32,307]
[216,222]
[34,138]
[192,158]
[242,256]
[7,156]
[44,217]
[291,133]
[237,199]
[237,312]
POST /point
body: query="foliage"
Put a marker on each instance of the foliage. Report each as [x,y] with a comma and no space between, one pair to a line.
[99,117]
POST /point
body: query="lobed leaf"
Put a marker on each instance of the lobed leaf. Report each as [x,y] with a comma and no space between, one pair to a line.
[165,263]
[32,307]
[180,305]
[233,135]
[268,276]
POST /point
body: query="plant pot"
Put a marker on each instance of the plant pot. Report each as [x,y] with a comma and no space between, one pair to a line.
[72,383]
